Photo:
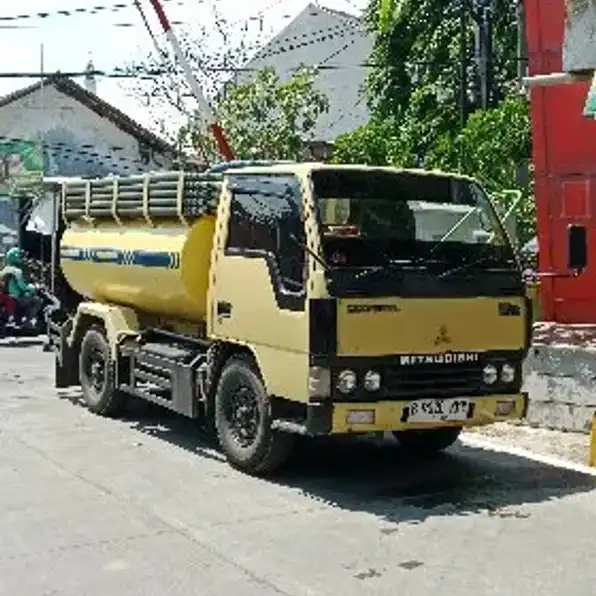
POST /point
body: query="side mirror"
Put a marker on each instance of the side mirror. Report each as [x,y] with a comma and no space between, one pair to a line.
[481,237]
[577,248]
[511,226]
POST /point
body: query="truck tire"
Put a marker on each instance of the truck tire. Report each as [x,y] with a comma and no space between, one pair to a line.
[97,376]
[243,421]
[427,442]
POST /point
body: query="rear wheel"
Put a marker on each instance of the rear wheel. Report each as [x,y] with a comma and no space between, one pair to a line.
[243,420]
[97,375]
[427,442]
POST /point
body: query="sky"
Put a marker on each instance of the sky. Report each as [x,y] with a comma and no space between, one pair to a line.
[115,36]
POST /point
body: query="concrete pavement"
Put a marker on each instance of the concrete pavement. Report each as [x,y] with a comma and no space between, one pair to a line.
[144,505]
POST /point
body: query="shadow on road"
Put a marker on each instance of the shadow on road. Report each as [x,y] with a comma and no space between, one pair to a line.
[373,476]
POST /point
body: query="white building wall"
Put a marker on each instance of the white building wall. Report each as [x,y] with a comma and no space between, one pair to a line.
[579,48]
[77,140]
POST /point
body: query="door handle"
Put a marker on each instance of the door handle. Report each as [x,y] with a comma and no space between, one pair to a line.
[224,309]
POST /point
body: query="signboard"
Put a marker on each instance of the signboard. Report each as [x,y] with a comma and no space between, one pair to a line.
[21,167]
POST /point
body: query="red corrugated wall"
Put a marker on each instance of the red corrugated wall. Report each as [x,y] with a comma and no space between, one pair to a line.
[564,154]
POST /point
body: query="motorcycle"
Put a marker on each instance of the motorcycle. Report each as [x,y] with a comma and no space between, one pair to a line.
[16,323]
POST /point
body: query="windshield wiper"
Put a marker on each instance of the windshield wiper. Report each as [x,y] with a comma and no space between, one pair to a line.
[369,271]
[392,266]
[465,267]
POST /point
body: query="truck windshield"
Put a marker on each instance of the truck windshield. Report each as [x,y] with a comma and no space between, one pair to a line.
[375,218]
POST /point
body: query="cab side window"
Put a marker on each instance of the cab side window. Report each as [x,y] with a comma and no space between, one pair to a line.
[266,221]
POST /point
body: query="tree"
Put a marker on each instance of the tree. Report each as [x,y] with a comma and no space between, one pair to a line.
[266,118]
[217,51]
[263,118]
[420,47]
[417,66]
[494,147]
[370,144]
[414,95]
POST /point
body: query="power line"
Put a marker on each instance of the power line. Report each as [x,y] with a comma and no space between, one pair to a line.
[66,13]
[117,8]
[73,12]
[140,74]
[150,73]
[339,31]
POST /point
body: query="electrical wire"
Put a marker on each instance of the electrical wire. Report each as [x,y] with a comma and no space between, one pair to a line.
[117,8]
[120,73]
[140,72]
[73,12]
[160,51]
[66,13]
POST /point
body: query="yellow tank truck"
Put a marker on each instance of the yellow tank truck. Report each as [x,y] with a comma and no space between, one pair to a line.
[279,299]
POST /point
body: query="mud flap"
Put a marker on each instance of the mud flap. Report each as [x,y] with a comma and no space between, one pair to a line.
[66,369]
[66,362]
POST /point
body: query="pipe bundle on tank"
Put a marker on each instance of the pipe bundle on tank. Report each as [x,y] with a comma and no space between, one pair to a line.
[161,195]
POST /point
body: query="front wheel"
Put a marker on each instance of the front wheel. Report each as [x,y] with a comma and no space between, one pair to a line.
[96,374]
[427,442]
[243,421]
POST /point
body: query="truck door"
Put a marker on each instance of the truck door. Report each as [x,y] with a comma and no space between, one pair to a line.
[258,292]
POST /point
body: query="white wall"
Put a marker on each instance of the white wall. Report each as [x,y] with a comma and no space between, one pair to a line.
[78,141]
[579,48]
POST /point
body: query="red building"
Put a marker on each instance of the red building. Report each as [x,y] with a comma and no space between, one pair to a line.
[564,155]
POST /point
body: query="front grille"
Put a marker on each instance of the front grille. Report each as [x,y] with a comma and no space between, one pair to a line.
[433,380]
[422,379]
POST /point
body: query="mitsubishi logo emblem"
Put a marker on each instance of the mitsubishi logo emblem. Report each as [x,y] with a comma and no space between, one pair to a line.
[443,336]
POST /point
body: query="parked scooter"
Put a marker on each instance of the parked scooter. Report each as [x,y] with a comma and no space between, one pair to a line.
[16,323]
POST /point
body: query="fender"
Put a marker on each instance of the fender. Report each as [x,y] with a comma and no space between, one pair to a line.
[118,321]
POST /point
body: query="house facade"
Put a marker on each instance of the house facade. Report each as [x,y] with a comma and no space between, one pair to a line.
[58,128]
[81,134]
[561,43]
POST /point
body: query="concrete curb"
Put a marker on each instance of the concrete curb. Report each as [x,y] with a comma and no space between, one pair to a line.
[561,383]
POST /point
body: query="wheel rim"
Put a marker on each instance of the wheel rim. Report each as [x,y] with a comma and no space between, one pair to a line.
[242,415]
[96,370]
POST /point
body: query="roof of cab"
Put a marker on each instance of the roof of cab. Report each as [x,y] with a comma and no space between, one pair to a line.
[288,167]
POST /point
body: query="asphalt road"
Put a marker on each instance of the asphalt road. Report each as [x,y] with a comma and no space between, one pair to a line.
[144,505]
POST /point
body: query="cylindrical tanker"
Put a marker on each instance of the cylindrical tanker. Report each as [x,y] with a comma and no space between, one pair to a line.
[158,264]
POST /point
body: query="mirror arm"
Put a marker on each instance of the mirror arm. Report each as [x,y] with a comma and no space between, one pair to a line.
[554,275]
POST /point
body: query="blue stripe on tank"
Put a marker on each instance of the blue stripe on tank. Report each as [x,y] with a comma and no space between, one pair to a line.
[117,256]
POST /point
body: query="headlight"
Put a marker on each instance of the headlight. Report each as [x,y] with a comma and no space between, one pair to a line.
[372,381]
[346,381]
[490,374]
[508,373]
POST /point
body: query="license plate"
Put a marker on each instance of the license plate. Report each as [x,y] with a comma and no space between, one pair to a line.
[438,410]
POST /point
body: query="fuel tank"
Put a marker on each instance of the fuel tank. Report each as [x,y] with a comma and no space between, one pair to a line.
[161,269]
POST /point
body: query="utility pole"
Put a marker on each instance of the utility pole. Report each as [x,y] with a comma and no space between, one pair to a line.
[522,44]
[463,61]
[484,50]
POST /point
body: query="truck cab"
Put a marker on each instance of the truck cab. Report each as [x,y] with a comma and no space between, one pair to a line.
[382,296]
[339,300]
